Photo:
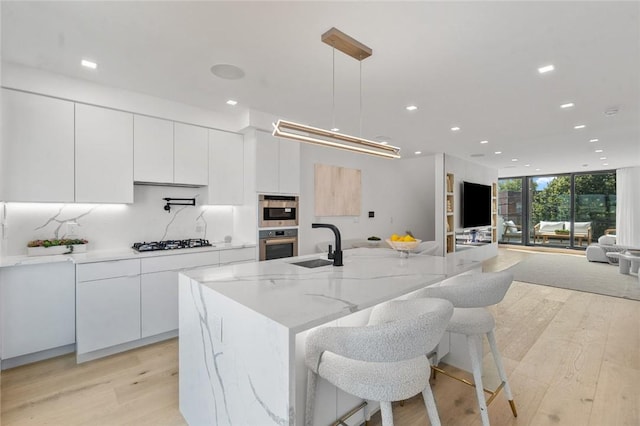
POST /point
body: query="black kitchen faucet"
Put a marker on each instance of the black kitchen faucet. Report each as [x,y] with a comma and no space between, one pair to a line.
[337,254]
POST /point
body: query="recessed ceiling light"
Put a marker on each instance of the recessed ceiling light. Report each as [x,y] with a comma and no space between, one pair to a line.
[579,126]
[232,102]
[567,105]
[593,140]
[605,164]
[603,158]
[599,150]
[585,165]
[537,170]
[335,129]
[527,165]
[514,159]
[546,68]
[418,152]
[384,143]
[498,152]
[227,71]
[483,142]
[412,108]
[455,129]
[89,64]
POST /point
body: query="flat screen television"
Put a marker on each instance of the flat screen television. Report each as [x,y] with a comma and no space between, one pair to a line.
[476,205]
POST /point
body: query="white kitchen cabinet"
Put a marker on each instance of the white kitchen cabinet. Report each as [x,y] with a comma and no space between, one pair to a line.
[37,304]
[289,167]
[152,149]
[277,165]
[159,302]
[107,305]
[267,163]
[104,155]
[37,133]
[159,288]
[226,168]
[191,155]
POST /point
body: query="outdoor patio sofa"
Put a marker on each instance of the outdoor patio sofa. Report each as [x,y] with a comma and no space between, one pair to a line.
[545,231]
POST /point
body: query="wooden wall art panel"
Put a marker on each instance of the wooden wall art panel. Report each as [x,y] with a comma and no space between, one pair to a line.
[338,191]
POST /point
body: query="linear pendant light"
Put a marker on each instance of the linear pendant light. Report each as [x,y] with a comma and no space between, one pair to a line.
[313,135]
[288,129]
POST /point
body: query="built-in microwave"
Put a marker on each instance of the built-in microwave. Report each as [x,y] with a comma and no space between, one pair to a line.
[277,210]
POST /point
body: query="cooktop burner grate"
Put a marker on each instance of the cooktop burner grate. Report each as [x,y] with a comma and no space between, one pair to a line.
[171,244]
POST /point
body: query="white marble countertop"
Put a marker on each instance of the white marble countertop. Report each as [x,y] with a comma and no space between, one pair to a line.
[300,298]
[107,255]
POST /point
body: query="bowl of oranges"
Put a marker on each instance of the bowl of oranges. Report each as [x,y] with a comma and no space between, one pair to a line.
[403,243]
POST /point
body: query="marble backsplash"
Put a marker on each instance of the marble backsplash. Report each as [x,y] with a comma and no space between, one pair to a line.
[117,226]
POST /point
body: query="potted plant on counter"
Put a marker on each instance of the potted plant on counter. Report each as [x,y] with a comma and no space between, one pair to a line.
[56,246]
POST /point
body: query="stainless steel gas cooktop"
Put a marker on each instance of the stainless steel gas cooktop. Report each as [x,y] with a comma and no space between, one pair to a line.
[171,244]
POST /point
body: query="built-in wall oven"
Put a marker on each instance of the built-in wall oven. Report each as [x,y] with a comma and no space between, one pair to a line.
[277,210]
[278,243]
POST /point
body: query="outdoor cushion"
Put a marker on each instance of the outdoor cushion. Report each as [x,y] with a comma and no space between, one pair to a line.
[580,227]
[550,226]
[511,227]
[607,240]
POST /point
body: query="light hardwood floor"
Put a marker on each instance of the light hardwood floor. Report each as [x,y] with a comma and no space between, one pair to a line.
[572,358]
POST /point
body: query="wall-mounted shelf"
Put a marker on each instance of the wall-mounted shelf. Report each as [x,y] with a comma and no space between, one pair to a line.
[449,209]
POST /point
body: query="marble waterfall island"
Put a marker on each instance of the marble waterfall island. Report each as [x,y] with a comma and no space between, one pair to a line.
[242,328]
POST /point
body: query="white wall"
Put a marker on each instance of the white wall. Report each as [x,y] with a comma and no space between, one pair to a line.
[400,192]
[118,226]
[470,172]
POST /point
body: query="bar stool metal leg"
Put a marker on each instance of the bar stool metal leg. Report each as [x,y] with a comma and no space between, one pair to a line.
[476,365]
[501,371]
[430,403]
[387,413]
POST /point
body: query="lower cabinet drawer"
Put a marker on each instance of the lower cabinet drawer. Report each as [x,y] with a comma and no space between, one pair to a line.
[247,254]
[107,313]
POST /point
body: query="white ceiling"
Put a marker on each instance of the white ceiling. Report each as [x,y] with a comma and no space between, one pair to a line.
[471,64]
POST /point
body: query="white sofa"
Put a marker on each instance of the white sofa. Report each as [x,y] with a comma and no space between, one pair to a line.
[544,231]
[597,252]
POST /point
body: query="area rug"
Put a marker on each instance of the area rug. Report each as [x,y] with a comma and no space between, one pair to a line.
[576,273]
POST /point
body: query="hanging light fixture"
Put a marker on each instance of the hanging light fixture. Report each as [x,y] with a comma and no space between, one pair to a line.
[313,135]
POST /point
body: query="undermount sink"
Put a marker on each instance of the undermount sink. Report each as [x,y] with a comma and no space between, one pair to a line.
[313,263]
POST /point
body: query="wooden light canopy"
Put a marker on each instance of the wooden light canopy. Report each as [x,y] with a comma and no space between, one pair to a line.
[346,44]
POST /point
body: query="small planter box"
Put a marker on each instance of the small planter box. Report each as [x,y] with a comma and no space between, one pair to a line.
[48,251]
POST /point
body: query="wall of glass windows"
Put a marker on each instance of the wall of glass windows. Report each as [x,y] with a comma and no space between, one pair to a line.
[568,210]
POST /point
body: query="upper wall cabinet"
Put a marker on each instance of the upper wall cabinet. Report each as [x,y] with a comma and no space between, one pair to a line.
[37,133]
[226,168]
[152,149]
[169,153]
[104,155]
[278,164]
[190,149]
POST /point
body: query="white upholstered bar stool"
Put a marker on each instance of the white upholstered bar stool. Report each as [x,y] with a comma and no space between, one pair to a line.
[383,361]
[470,295]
